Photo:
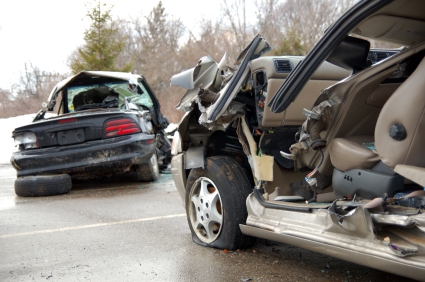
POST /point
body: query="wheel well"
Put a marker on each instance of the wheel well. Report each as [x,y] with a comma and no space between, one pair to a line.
[217,143]
[226,143]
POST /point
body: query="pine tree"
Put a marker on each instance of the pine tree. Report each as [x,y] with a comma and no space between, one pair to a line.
[102,46]
[292,44]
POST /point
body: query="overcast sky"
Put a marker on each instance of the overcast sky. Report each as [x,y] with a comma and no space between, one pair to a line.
[45,32]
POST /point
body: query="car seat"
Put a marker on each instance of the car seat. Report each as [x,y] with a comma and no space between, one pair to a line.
[364,164]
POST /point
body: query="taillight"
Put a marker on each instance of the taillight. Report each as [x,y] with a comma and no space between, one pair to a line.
[121,126]
[27,139]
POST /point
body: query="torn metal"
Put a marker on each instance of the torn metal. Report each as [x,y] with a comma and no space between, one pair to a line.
[224,81]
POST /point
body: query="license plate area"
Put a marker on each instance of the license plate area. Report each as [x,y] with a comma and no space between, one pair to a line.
[72,136]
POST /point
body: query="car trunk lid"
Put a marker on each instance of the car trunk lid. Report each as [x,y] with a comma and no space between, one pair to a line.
[71,128]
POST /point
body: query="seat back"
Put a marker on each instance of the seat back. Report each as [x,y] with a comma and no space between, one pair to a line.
[400,129]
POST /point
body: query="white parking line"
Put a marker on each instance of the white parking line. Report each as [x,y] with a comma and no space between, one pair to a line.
[91,225]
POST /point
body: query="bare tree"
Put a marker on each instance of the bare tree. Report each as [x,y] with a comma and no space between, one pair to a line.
[36,84]
[154,46]
[270,24]
[29,92]
[213,40]
[6,108]
[235,20]
[278,20]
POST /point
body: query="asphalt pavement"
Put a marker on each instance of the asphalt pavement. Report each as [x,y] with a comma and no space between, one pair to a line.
[119,229]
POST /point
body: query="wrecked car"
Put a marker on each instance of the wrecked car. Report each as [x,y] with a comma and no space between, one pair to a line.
[107,123]
[324,152]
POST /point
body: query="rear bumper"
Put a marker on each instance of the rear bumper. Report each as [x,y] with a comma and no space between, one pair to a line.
[99,157]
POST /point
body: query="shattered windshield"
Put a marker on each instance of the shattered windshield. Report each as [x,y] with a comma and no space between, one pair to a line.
[79,97]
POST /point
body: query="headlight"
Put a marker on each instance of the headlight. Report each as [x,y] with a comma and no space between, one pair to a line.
[27,139]
[176,145]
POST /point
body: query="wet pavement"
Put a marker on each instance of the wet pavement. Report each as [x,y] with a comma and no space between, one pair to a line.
[122,230]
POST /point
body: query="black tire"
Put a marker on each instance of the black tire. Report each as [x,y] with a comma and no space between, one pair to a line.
[214,220]
[43,185]
[150,171]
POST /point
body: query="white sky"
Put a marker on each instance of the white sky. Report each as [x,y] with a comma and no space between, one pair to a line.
[45,32]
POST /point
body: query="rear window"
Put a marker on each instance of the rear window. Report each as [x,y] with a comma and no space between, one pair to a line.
[93,94]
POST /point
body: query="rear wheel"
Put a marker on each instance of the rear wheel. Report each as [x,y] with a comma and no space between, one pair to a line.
[215,204]
[149,171]
[43,185]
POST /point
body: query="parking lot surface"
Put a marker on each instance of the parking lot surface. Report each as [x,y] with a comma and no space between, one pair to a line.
[119,229]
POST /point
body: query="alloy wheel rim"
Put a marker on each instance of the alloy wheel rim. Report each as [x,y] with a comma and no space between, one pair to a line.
[205,210]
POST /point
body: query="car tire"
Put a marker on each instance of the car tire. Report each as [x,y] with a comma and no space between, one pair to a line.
[215,204]
[43,185]
[150,171]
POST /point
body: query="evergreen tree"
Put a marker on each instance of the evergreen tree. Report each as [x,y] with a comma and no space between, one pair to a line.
[292,44]
[102,46]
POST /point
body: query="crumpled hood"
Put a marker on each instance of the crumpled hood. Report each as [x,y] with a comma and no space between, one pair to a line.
[206,73]
[223,80]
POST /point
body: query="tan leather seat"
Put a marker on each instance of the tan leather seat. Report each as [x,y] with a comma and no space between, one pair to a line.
[351,153]
[405,107]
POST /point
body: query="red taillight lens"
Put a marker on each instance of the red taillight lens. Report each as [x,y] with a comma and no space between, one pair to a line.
[121,126]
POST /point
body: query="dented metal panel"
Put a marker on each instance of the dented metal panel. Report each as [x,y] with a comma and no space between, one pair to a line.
[348,227]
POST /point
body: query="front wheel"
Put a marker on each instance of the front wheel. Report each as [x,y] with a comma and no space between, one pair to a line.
[215,204]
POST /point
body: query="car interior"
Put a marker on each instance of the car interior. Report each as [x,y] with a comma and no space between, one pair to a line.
[376,123]
[99,97]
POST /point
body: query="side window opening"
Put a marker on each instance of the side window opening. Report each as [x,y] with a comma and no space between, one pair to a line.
[141,97]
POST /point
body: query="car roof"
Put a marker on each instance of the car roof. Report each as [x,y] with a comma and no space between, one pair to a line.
[401,22]
[130,77]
